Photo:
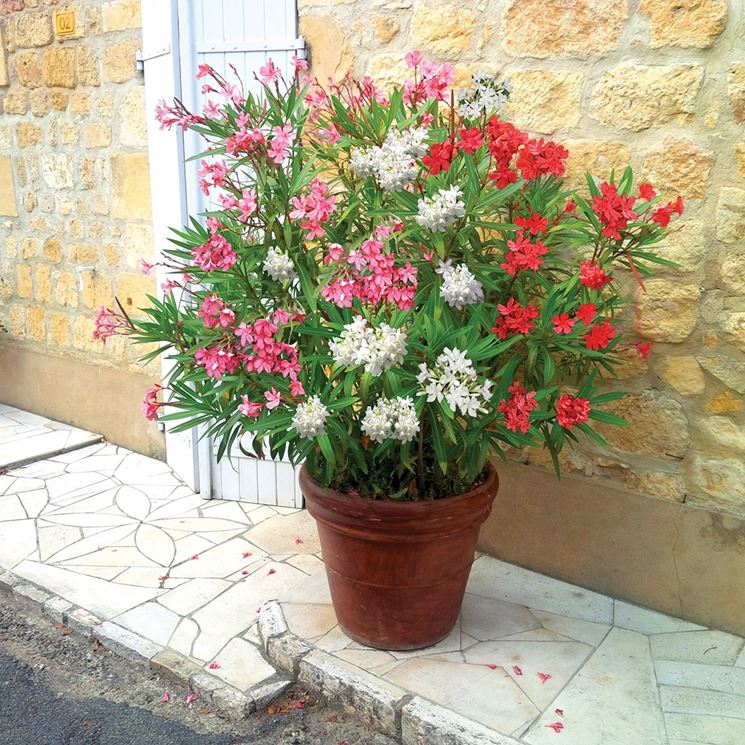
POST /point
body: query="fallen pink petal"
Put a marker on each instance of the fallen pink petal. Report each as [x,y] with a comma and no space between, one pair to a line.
[555,726]
[298,540]
[165,698]
[246,554]
[491,666]
[517,670]
[272,571]
[193,558]
[215,665]
[559,712]
[191,698]
[543,677]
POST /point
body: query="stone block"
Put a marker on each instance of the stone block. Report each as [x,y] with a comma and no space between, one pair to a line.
[679,167]
[263,694]
[59,330]
[174,666]
[132,118]
[17,321]
[544,101]
[271,622]
[40,101]
[24,285]
[57,609]
[231,702]
[97,134]
[736,91]
[8,581]
[43,283]
[28,134]
[695,24]
[80,102]
[36,323]
[386,28]
[125,642]
[723,432]
[555,28]
[286,651]
[15,102]
[718,483]
[327,46]
[130,178]
[667,310]
[725,403]
[685,246]
[683,374]
[731,216]
[119,63]
[89,66]
[33,30]
[58,67]
[65,290]
[56,170]
[52,250]
[132,291]
[657,425]
[637,97]
[375,700]
[3,60]
[31,595]
[387,70]
[598,157]
[27,66]
[8,205]
[424,723]
[121,15]
[729,368]
[446,31]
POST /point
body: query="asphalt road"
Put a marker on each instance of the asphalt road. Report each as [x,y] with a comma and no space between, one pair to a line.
[59,688]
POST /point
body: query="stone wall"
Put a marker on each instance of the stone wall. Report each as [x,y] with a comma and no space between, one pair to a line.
[74,183]
[659,84]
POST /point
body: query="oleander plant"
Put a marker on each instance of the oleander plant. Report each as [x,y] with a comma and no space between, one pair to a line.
[391,286]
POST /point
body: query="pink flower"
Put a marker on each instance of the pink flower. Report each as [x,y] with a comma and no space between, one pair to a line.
[296,389]
[563,323]
[108,324]
[279,148]
[165,698]
[203,71]
[413,58]
[298,65]
[247,204]
[150,403]
[250,409]
[269,73]
[145,267]
[273,398]
[191,698]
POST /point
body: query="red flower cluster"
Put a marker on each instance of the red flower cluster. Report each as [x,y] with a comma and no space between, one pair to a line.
[517,408]
[591,275]
[470,139]
[600,336]
[613,209]
[515,319]
[586,313]
[439,158]
[571,410]
[534,224]
[535,158]
[522,254]
[663,214]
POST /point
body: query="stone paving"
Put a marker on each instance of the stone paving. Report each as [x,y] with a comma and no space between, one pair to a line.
[535,659]
[26,437]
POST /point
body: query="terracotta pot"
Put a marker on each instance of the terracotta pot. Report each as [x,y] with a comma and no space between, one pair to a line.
[398,570]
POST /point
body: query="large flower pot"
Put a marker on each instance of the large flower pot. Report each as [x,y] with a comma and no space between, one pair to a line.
[398,570]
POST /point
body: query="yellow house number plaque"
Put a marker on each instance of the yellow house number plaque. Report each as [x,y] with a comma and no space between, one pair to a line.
[64,23]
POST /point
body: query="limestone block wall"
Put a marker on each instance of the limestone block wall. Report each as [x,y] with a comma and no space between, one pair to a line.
[659,84]
[74,182]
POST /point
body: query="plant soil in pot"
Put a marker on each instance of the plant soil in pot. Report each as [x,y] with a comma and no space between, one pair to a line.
[398,570]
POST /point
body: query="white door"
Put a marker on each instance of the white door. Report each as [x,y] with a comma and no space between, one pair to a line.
[220,33]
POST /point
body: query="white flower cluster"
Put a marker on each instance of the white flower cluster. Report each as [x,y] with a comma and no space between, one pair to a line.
[459,286]
[441,210]
[376,349]
[488,96]
[393,163]
[454,379]
[310,418]
[278,265]
[394,418]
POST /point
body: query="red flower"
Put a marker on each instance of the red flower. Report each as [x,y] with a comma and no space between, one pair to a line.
[600,336]
[586,313]
[470,139]
[563,324]
[643,349]
[535,223]
[517,408]
[503,177]
[570,206]
[613,209]
[516,319]
[646,192]
[591,275]
[439,158]
[571,410]
[541,158]
[663,214]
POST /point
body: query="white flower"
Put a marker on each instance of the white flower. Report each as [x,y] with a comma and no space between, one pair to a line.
[393,163]
[453,379]
[278,265]
[487,97]
[442,210]
[459,286]
[310,418]
[391,418]
[377,349]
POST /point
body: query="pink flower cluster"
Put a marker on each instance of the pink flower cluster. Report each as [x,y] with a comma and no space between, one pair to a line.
[211,175]
[517,408]
[214,313]
[108,323]
[217,360]
[370,275]
[247,204]
[216,253]
[279,147]
[433,82]
[169,116]
[245,139]
[314,208]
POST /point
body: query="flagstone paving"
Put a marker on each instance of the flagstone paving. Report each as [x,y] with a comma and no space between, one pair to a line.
[531,657]
[26,437]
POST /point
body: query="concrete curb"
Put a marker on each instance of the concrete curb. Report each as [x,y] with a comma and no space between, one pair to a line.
[228,701]
[409,719]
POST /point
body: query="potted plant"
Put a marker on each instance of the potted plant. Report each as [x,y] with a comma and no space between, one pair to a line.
[393,287]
